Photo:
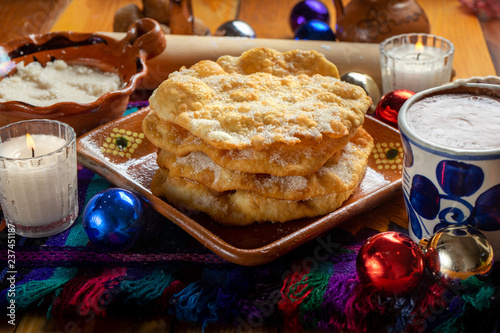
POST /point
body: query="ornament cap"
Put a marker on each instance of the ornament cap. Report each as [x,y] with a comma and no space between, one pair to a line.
[423,244]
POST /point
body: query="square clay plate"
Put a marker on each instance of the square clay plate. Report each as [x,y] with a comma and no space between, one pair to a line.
[132,168]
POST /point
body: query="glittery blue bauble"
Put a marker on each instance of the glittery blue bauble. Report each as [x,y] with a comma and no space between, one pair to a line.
[113,219]
[308,10]
[315,30]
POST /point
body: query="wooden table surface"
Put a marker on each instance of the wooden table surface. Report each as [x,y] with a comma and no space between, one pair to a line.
[477,53]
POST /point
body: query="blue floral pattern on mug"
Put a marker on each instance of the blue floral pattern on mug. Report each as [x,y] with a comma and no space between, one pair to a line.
[457,180]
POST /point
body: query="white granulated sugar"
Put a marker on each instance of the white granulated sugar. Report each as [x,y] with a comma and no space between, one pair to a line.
[200,162]
[276,158]
[204,123]
[220,136]
[295,183]
[257,105]
[196,160]
[242,154]
[285,184]
[178,140]
[209,201]
[343,168]
[57,82]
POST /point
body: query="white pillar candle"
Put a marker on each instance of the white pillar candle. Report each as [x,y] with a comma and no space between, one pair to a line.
[405,65]
[38,194]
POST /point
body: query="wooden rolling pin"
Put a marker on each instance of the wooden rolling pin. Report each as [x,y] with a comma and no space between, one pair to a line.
[187,50]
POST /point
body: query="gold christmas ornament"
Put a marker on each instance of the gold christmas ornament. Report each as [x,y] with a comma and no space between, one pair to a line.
[458,252]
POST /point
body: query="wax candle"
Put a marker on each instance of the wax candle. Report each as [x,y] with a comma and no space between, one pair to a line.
[38,185]
[18,148]
[415,62]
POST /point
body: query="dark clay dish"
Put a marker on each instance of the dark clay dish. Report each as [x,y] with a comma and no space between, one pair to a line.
[126,57]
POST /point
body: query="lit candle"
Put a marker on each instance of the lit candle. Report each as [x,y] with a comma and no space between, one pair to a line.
[415,62]
[38,177]
[30,146]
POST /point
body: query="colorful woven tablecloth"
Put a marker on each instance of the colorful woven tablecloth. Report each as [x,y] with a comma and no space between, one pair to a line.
[314,286]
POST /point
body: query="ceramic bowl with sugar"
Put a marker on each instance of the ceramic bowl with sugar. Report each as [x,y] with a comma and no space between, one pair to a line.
[126,58]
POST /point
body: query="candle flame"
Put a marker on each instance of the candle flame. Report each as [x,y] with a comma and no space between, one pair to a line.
[419,47]
[30,143]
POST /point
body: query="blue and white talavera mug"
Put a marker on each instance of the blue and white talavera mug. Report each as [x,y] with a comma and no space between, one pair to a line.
[445,185]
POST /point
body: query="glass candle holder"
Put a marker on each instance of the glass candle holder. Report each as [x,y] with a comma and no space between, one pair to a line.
[415,62]
[38,177]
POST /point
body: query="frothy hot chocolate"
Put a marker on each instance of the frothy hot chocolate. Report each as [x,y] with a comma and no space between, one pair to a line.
[463,121]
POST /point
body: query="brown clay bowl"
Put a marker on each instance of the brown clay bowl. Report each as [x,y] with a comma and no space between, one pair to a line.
[126,57]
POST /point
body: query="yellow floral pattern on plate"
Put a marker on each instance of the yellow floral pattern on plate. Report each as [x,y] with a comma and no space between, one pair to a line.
[388,156]
[122,142]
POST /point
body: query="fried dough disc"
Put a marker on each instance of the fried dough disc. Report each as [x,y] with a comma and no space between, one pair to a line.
[279,160]
[240,207]
[258,110]
[340,173]
[280,64]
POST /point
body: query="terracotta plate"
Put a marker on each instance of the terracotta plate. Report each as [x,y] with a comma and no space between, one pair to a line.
[119,152]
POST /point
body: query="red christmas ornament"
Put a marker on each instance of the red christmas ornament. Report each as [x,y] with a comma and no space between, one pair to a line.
[389,105]
[390,261]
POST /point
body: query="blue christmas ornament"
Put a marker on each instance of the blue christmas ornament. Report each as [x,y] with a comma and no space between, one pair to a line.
[113,219]
[315,30]
[308,10]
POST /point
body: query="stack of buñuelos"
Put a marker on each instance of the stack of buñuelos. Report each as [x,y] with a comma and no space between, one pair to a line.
[266,136]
